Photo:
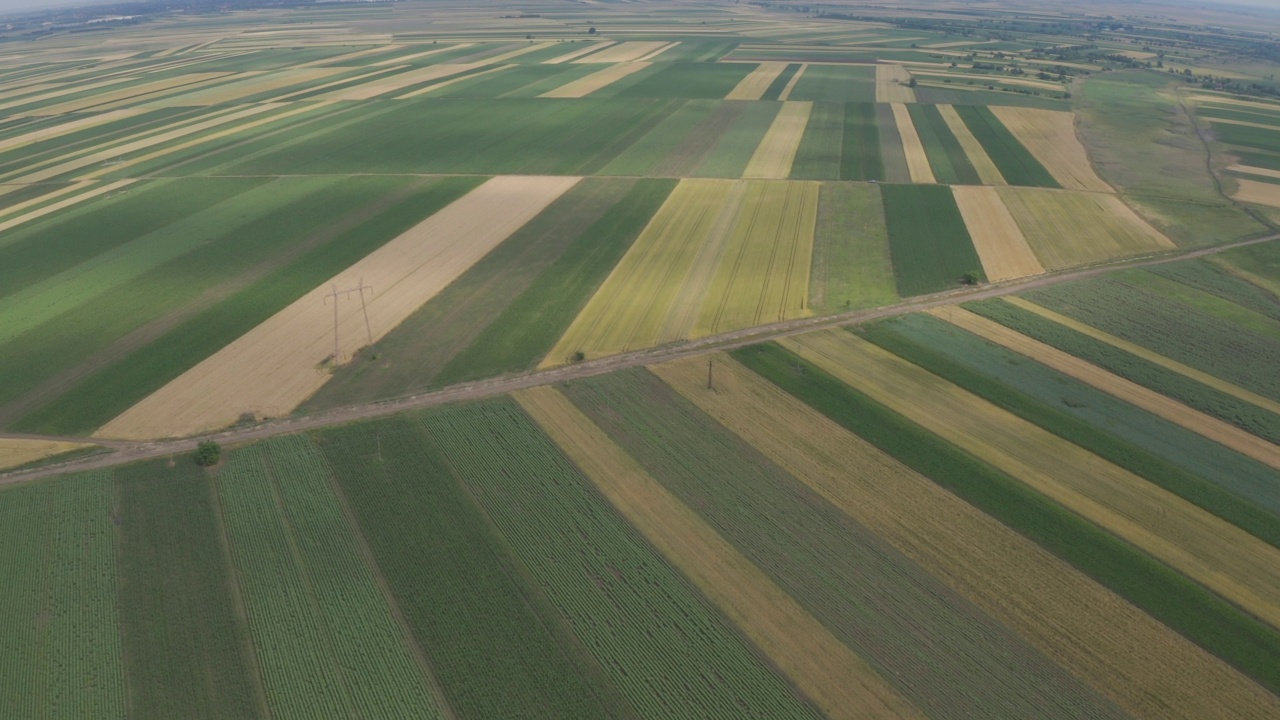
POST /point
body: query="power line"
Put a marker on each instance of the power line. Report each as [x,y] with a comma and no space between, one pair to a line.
[335,294]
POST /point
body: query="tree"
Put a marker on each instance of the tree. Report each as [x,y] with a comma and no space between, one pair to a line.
[973,277]
[591,31]
[911,83]
[208,453]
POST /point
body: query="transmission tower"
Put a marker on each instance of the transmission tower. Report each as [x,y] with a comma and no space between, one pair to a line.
[335,294]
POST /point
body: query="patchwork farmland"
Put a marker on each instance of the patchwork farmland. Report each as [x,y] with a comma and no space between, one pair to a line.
[443,359]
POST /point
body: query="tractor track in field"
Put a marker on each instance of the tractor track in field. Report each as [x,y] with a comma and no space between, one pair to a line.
[130,451]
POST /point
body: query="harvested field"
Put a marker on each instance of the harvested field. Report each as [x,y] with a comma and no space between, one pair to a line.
[1259,193]
[233,91]
[1149,670]
[278,364]
[1000,244]
[917,159]
[891,84]
[822,667]
[1153,402]
[590,48]
[791,84]
[595,81]
[777,151]
[467,77]
[764,274]
[987,170]
[387,84]
[1236,565]
[624,52]
[15,452]
[1248,170]
[1051,137]
[631,307]
[753,86]
[1066,229]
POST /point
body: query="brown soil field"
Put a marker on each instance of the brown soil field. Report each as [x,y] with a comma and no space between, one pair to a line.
[1004,251]
[891,84]
[754,85]
[987,170]
[1259,193]
[917,160]
[274,367]
[777,150]
[1149,670]
[839,681]
[1207,549]
[584,86]
[1050,135]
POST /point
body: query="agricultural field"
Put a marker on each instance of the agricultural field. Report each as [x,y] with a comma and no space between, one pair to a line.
[640,360]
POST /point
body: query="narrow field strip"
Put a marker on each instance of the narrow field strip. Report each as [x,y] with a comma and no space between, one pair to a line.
[791,84]
[840,682]
[1016,164]
[753,86]
[93,192]
[593,47]
[777,150]
[16,451]
[132,93]
[1249,170]
[650,56]
[891,84]
[1000,244]
[454,80]
[1050,136]
[400,59]
[584,86]
[987,170]
[1149,670]
[530,48]
[1220,556]
[1066,229]
[387,84]
[238,89]
[61,129]
[697,281]
[625,52]
[1148,355]
[276,366]
[336,86]
[1256,192]
[917,160]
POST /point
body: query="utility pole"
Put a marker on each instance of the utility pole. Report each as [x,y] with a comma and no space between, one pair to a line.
[335,294]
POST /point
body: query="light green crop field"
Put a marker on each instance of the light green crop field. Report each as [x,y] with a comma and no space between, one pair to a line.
[467,360]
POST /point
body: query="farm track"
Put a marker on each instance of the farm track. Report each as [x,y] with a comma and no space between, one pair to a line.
[130,451]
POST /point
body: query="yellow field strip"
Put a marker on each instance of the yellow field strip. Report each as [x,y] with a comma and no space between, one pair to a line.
[453,81]
[1244,123]
[250,85]
[66,127]
[64,90]
[962,43]
[590,48]
[275,366]
[1153,357]
[531,47]
[1264,172]
[777,149]
[650,56]
[378,72]
[1205,548]
[584,86]
[631,307]
[62,204]
[136,93]
[754,85]
[1150,671]
[764,276]
[1257,192]
[385,84]
[623,52]
[1269,108]
[988,79]
[1001,246]
[1067,228]
[988,173]
[339,59]
[891,84]
[1050,136]
[823,668]
[687,304]
[416,56]
[917,160]
[791,84]
[15,452]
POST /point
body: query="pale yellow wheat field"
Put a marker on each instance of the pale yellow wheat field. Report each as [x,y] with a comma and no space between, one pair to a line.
[1264,172]
[891,84]
[18,451]
[1050,136]
[1259,193]
[917,160]
[590,48]
[1067,228]
[753,86]
[791,84]
[275,366]
[987,170]
[584,86]
[624,52]
[777,150]
[1001,247]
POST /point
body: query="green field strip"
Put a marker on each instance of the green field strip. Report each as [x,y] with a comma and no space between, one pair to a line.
[18,160]
[892,152]
[1015,162]
[1256,178]
[702,50]
[464,76]
[818,157]
[1210,401]
[1174,329]
[860,148]
[411,357]
[950,164]
[708,81]
[875,600]
[928,240]
[730,154]
[780,83]
[61,630]
[1241,115]
[530,326]
[661,142]
[536,84]
[1237,489]
[73,272]
[178,616]
[24,194]
[1245,136]
[837,84]
[615,88]
[92,400]
[697,145]
[634,612]
[1207,302]
[1258,264]
[1186,607]
[1258,159]
[940,95]
[852,267]
[1208,277]
[492,641]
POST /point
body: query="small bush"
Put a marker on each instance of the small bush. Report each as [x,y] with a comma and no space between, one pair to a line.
[208,453]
